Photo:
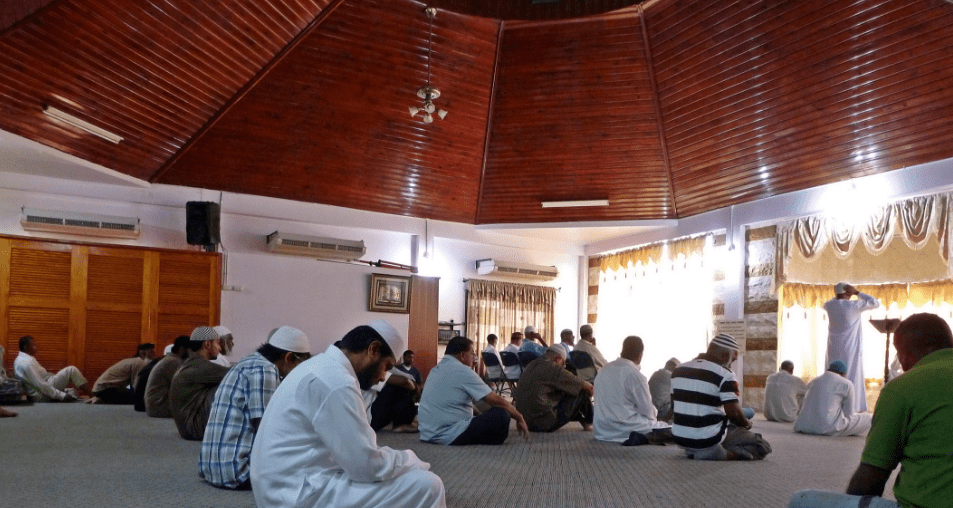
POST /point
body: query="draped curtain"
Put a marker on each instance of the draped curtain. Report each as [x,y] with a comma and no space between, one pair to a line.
[917,222]
[503,308]
[662,293]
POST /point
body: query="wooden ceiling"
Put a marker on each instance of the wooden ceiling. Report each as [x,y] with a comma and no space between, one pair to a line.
[667,109]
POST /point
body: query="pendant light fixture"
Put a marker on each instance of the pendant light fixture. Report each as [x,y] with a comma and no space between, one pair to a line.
[428,93]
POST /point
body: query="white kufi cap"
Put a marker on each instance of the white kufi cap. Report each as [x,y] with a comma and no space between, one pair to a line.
[390,335]
[290,339]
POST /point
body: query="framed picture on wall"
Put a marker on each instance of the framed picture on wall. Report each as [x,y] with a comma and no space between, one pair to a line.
[389,293]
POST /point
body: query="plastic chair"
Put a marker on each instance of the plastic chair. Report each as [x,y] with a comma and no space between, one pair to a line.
[511,360]
[585,367]
[494,371]
[526,357]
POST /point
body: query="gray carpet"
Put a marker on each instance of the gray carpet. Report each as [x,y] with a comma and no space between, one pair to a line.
[81,455]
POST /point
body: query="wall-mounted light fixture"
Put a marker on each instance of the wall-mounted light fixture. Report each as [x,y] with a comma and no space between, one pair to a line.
[81,124]
[575,204]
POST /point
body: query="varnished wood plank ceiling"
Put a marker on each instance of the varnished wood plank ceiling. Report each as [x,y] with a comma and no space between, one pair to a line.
[667,109]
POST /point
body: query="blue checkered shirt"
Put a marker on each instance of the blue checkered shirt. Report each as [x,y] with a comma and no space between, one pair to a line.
[224,459]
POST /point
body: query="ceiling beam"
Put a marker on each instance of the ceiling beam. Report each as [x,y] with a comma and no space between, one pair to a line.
[658,110]
[489,121]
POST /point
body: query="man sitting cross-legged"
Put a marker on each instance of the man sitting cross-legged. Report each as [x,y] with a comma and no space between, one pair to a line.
[783,394]
[829,406]
[549,396]
[709,423]
[156,397]
[623,404]
[315,447]
[911,427]
[194,384]
[40,385]
[446,416]
[240,403]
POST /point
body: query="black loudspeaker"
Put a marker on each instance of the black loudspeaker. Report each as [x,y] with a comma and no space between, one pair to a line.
[202,223]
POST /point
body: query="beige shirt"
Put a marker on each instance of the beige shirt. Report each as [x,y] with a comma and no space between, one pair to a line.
[783,396]
[597,359]
[120,375]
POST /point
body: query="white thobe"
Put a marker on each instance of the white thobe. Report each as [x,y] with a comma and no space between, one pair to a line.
[783,396]
[513,371]
[829,410]
[315,447]
[845,340]
[40,384]
[623,403]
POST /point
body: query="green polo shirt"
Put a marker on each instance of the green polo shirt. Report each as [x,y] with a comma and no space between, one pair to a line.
[912,426]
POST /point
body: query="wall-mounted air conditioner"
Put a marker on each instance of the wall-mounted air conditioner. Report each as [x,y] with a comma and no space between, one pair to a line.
[74,223]
[516,270]
[315,246]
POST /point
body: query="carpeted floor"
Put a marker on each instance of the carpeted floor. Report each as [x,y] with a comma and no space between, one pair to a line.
[81,455]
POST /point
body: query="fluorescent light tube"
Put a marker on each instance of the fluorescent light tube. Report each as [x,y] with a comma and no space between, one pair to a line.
[573,204]
[82,124]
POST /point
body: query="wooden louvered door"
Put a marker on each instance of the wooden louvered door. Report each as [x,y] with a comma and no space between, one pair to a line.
[91,305]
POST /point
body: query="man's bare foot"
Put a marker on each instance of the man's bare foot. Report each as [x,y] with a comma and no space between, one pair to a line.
[6,414]
[405,429]
[587,427]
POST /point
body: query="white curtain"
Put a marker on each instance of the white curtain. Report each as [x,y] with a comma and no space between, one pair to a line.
[667,303]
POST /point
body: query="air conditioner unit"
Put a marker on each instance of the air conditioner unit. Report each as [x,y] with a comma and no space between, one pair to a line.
[517,270]
[315,246]
[74,223]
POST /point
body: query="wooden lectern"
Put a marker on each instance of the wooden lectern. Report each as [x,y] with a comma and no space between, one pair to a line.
[887,326]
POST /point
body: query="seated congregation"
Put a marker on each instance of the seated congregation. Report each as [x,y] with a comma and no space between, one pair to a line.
[301,430]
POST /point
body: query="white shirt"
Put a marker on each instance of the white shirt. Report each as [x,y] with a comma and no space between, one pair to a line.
[845,339]
[221,360]
[623,403]
[783,396]
[35,377]
[828,405]
[315,436]
[511,372]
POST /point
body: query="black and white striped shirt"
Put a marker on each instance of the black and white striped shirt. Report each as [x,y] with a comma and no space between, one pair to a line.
[699,390]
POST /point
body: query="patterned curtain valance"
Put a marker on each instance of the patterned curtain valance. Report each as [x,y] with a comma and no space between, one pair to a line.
[915,220]
[509,292]
[653,253]
[918,294]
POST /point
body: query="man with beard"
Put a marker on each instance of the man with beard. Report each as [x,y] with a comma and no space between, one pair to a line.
[315,446]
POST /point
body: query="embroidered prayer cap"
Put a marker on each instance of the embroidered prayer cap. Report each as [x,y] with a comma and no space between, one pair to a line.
[222,331]
[726,341]
[840,288]
[559,350]
[203,333]
[529,329]
[390,335]
[290,339]
[838,366]
[168,349]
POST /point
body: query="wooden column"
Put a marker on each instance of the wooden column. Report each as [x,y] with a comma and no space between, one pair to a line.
[422,331]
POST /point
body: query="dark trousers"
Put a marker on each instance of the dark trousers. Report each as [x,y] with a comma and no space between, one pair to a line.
[573,409]
[116,396]
[490,428]
[393,405]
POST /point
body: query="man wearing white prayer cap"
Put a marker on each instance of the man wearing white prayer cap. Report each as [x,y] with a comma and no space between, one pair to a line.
[315,446]
[226,343]
[239,404]
[194,384]
[845,336]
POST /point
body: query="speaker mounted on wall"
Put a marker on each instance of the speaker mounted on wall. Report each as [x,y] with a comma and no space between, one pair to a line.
[202,224]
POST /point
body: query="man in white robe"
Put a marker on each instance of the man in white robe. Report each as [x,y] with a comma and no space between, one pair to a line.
[783,394]
[41,385]
[315,446]
[828,406]
[845,336]
[623,404]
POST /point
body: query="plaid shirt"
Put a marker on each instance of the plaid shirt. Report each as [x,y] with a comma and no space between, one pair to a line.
[224,459]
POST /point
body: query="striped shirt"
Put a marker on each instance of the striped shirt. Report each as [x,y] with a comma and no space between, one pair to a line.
[699,390]
[224,459]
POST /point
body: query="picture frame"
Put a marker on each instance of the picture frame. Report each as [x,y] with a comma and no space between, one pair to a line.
[389,293]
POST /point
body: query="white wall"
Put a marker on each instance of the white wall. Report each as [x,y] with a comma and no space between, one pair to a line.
[324,299]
